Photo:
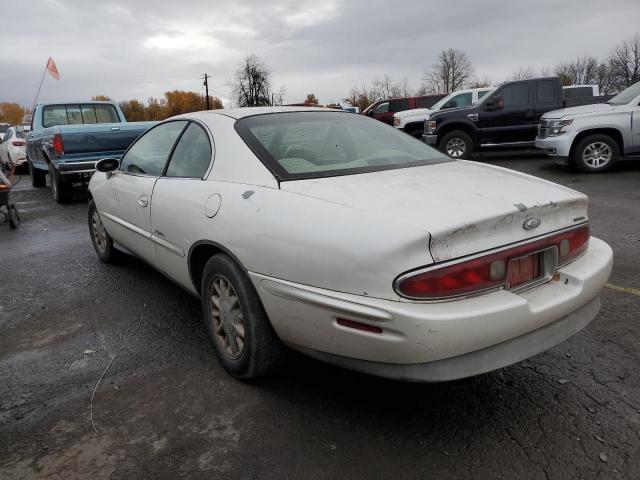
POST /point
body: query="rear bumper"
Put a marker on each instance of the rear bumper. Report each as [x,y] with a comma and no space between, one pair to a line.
[70,168]
[430,139]
[461,338]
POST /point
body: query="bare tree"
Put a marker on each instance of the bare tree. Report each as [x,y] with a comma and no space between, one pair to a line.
[480,82]
[452,71]
[624,62]
[251,85]
[523,73]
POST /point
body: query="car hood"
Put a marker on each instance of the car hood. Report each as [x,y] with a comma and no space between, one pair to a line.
[581,110]
[465,207]
[410,113]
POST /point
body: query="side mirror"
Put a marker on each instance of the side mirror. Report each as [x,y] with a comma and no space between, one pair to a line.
[107,165]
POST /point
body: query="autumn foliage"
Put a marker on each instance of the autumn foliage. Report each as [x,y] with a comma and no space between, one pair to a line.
[12,113]
[173,103]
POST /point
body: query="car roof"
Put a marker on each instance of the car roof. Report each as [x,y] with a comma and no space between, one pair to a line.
[237,113]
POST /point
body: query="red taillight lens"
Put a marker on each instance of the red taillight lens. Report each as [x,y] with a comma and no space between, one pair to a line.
[488,271]
[18,143]
[58,147]
[358,326]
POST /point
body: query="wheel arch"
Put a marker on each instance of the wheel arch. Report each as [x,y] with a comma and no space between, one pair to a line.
[199,253]
[450,127]
[614,133]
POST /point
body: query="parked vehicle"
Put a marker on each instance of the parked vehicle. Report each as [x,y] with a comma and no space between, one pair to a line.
[310,229]
[412,121]
[581,91]
[12,147]
[383,110]
[592,138]
[351,109]
[67,139]
[508,117]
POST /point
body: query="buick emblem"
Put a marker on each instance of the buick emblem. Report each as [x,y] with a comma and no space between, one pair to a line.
[531,223]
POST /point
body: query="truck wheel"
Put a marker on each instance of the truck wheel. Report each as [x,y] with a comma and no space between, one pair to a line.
[457,144]
[242,335]
[596,153]
[102,242]
[60,189]
[38,177]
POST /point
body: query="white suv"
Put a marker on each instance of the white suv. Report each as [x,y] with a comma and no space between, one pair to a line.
[412,121]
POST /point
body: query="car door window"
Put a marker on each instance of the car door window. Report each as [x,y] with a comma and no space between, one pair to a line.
[382,108]
[515,96]
[149,154]
[462,100]
[482,93]
[399,105]
[191,157]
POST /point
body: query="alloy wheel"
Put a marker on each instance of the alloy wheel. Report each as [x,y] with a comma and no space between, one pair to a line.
[99,232]
[456,147]
[227,318]
[597,154]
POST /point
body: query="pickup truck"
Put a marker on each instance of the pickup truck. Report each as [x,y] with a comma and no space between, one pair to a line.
[67,139]
[383,110]
[592,138]
[507,117]
[412,121]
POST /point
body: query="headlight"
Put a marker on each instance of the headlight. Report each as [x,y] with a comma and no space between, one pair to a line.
[431,126]
[556,126]
[396,122]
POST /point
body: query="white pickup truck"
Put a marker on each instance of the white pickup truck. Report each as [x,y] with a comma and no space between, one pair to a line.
[591,138]
[412,121]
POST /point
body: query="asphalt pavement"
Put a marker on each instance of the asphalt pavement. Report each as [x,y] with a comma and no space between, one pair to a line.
[165,408]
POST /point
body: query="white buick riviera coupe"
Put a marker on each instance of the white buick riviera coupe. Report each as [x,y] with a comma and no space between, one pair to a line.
[352,242]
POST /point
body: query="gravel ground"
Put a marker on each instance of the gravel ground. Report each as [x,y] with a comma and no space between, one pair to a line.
[165,408]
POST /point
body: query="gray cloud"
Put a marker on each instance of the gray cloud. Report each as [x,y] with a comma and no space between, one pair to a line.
[138,49]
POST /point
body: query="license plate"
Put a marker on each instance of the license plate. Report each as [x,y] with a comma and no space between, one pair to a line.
[524,269]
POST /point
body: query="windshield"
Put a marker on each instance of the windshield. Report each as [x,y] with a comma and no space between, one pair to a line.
[324,144]
[439,103]
[626,95]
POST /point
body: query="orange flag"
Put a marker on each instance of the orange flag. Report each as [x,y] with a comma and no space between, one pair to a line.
[52,69]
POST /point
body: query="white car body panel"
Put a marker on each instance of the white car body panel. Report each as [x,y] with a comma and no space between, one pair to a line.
[10,153]
[324,248]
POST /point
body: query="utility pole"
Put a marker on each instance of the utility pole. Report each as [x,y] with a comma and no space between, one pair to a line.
[206,88]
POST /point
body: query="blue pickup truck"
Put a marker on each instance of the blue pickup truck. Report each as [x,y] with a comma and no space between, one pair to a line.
[68,138]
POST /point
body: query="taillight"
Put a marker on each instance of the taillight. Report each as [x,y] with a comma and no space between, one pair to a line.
[487,271]
[18,143]
[58,147]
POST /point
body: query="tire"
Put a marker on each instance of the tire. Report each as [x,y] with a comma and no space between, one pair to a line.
[595,153]
[60,189]
[102,242]
[38,177]
[14,216]
[417,133]
[457,144]
[240,330]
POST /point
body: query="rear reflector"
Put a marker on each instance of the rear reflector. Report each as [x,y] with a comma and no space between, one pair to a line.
[358,326]
[18,143]
[493,270]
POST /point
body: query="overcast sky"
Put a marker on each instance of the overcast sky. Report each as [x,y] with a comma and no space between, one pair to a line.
[138,49]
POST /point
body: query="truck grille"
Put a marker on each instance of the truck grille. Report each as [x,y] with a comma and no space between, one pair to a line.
[543,128]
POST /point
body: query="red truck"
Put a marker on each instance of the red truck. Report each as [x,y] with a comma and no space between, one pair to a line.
[383,110]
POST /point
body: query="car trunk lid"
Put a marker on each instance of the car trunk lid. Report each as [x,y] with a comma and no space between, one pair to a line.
[465,207]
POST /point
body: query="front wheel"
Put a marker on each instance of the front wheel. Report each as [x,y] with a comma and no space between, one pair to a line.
[457,144]
[102,242]
[596,153]
[242,335]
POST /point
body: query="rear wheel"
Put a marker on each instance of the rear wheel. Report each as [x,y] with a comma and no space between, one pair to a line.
[38,177]
[14,216]
[242,335]
[457,144]
[596,153]
[60,188]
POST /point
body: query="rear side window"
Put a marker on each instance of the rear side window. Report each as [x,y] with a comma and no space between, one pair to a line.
[515,95]
[399,105]
[578,92]
[545,91]
[149,154]
[382,108]
[482,93]
[74,114]
[192,154]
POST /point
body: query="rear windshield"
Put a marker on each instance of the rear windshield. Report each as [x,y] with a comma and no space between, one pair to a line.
[324,144]
[78,114]
[4,127]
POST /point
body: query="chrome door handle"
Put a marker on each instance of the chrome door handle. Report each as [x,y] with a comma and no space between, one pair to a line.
[113,129]
[143,200]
